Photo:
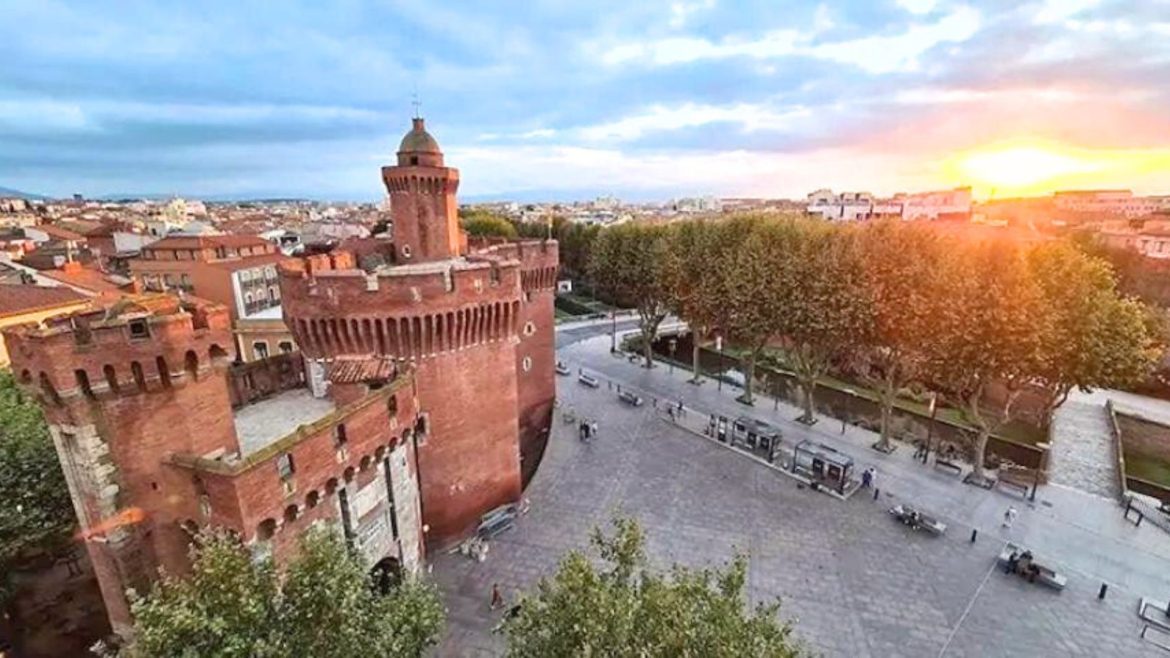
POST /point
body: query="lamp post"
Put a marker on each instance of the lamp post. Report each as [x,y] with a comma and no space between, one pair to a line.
[613,332]
[719,346]
[672,345]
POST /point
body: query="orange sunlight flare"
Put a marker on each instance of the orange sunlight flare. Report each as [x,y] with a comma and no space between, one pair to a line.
[128,516]
[1032,167]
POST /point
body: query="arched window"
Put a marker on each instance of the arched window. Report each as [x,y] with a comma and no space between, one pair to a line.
[164,371]
[139,376]
[364,464]
[266,529]
[392,405]
[191,364]
[49,391]
[349,474]
[290,513]
[313,499]
[83,382]
[25,376]
[111,377]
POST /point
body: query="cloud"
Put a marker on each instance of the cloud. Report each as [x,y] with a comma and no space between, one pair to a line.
[876,54]
[680,12]
[663,118]
[918,6]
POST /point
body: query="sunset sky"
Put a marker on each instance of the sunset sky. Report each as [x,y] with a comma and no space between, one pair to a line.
[536,100]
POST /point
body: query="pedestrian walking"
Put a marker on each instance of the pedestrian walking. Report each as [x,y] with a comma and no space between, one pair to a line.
[867,478]
[670,412]
[1009,517]
[497,598]
[681,410]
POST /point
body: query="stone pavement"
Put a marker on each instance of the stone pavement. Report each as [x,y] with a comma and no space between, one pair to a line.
[855,582]
[1082,454]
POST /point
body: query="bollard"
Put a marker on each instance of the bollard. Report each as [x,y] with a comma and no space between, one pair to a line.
[1101,593]
[876,491]
[974,533]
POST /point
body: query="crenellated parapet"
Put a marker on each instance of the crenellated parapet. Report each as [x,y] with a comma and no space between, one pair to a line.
[539,259]
[407,311]
[138,344]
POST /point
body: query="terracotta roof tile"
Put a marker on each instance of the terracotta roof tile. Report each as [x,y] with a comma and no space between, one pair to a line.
[355,370]
[20,299]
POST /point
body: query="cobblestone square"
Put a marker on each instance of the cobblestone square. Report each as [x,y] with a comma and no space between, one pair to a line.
[855,582]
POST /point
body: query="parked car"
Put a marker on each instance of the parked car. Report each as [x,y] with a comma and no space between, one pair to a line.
[629,398]
[588,380]
[562,368]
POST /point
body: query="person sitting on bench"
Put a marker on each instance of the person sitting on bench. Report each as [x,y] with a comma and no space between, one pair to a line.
[1013,562]
[1025,566]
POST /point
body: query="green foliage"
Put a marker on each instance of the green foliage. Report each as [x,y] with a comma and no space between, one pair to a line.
[1095,338]
[625,609]
[575,242]
[629,263]
[37,514]
[232,605]
[483,223]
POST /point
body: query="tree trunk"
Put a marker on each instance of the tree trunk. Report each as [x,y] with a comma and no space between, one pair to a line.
[648,347]
[809,385]
[980,452]
[886,400]
[748,376]
[695,350]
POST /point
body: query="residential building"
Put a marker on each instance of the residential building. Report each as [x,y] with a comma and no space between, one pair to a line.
[25,303]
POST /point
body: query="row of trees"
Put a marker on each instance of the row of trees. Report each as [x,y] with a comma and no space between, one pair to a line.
[892,304]
[575,240]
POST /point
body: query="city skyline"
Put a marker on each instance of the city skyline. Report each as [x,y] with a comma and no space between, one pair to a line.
[646,102]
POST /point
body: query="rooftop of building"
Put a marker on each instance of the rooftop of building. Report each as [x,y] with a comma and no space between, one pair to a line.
[22,299]
[209,241]
[264,422]
[79,276]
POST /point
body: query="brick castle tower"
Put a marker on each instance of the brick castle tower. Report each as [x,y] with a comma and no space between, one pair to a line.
[159,435]
[476,324]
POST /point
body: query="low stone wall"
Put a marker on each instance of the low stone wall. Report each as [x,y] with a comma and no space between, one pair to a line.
[864,412]
[1138,434]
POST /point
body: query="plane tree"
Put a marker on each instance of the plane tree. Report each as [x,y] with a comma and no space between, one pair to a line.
[628,262]
[992,331]
[901,266]
[1097,337]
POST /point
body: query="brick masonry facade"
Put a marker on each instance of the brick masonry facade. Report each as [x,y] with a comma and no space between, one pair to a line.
[140,401]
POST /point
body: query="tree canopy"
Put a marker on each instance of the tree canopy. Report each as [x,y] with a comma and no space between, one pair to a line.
[37,514]
[629,263]
[484,223]
[626,609]
[325,605]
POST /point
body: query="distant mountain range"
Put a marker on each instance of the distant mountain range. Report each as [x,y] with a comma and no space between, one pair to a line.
[8,192]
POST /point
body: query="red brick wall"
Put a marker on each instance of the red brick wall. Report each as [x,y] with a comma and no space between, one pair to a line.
[470,461]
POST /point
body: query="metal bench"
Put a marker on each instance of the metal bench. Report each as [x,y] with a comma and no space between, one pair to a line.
[562,369]
[499,520]
[1045,575]
[588,380]
[948,465]
[1019,487]
[923,521]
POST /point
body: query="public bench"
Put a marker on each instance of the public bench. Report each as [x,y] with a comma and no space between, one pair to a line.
[629,398]
[588,380]
[918,520]
[562,368]
[1018,487]
[1045,575]
[496,521]
[947,465]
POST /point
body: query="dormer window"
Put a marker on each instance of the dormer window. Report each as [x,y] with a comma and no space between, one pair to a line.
[139,329]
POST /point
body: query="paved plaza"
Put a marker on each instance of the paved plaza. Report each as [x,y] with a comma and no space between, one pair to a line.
[855,582]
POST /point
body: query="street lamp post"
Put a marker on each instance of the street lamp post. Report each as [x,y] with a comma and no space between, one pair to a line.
[719,346]
[613,332]
[672,344]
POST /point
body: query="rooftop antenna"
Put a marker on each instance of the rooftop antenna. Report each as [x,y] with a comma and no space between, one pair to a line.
[416,102]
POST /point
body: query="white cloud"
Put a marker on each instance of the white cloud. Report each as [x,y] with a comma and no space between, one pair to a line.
[1058,11]
[877,54]
[730,173]
[658,118]
[680,12]
[918,6]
